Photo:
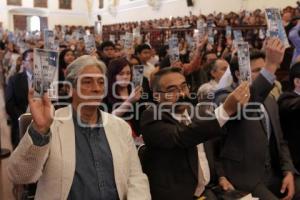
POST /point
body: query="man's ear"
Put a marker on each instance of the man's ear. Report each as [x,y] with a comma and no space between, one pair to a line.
[297,82]
[156,97]
[237,74]
[213,74]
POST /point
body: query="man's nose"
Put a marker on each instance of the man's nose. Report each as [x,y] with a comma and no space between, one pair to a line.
[97,86]
[181,94]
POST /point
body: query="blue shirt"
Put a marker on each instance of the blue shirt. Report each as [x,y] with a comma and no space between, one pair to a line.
[94,172]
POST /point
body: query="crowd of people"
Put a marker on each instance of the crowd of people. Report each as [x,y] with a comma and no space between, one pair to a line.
[204,130]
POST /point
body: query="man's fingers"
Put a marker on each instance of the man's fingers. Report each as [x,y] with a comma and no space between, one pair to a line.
[276,43]
[287,197]
[224,187]
[283,187]
[30,94]
[46,99]
[240,88]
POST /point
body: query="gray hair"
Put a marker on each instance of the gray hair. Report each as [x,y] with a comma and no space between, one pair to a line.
[77,65]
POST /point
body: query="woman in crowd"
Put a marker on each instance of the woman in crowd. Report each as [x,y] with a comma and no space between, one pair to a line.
[66,57]
[147,92]
[122,98]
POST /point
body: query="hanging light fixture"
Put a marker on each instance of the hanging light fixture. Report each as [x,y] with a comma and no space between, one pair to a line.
[155,4]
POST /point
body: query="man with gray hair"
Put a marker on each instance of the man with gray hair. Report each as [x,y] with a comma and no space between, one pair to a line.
[80,152]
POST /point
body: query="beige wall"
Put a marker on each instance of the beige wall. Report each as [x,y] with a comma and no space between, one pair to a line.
[129,10]
[139,10]
[77,16]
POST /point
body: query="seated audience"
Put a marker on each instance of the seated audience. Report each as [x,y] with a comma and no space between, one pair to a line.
[16,101]
[254,157]
[67,153]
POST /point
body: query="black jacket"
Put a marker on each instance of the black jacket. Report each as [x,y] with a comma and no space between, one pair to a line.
[289,107]
[16,96]
[243,154]
[171,157]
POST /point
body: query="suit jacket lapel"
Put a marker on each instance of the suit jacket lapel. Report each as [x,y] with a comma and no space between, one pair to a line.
[67,138]
[192,152]
[272,115]
[115,151]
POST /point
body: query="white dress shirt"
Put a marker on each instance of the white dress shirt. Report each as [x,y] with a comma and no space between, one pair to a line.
[148,69]
[222,118]
[29,79]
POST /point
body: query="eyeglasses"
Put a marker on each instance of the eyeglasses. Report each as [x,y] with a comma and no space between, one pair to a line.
[176,89]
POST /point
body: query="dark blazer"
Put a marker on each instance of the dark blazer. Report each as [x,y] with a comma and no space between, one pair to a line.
[289,107]
[243,154]
[16,96]
[171,158]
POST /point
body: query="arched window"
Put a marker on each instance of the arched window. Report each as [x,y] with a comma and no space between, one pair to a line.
[35,23]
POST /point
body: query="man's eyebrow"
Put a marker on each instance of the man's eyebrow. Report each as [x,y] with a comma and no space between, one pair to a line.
[87,77]
[170,86]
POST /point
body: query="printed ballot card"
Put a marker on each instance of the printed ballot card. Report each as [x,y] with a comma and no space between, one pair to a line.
[128,40]
[112,38]
[210,32]
[45,73]
[228,31]
[138,74]
[173,49]
[275,25]
[98,28]
[90,44]
[244,61]
[49,39]
[238,36]
[201,27]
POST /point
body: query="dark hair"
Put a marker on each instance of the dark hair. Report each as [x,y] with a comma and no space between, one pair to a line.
[206,54]
[62,64]
[294,73]
[135,57]
[140,48]
[155,83]
[165,63]
[163,52]
[25,54]
[257,54]
[61,59]
[106,44]
[114,68]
